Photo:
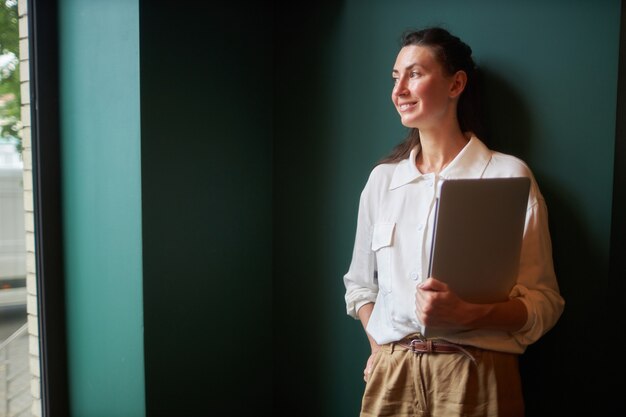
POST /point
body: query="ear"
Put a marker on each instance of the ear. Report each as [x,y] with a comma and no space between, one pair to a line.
[459,81]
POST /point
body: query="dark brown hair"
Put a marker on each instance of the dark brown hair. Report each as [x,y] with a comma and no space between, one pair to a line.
[454,55]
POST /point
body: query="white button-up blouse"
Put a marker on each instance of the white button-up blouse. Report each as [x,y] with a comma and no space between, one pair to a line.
[390,256]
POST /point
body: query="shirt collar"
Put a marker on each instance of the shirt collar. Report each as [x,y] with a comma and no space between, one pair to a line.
[406,171]
[469,163]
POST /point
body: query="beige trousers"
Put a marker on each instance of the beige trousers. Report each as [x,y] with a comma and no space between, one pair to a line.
[403,383]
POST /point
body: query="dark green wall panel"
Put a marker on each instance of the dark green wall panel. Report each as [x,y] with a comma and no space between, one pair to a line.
[206,125]
[101,177]
[617,267]
[550,79]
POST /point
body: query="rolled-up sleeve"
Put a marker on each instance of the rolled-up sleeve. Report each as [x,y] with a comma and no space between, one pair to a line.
[360,280]
[537,285]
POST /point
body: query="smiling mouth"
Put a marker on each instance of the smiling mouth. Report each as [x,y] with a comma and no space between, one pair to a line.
[406,106]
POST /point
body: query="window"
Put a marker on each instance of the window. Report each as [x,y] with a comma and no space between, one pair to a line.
[19,334]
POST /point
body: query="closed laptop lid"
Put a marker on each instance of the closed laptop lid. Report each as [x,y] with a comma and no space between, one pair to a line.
[477,236]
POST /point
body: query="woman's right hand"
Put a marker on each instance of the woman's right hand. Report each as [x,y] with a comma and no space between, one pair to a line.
[364,315]
[369,365]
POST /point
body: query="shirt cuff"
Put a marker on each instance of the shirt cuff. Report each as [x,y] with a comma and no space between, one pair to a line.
[353,307]
[520,292]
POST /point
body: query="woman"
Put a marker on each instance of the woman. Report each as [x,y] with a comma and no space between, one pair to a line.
[471,369]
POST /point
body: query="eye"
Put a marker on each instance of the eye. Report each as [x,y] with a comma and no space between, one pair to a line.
[415,74]
[394,80]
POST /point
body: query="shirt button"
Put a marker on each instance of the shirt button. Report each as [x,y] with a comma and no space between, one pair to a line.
[420,227]
[414,275]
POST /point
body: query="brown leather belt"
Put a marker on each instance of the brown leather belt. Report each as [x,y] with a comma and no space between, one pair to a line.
[420,345]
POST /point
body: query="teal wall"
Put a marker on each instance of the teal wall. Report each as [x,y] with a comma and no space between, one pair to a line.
[101,178]
[550,70]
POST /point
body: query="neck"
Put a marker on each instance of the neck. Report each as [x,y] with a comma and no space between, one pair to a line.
[439,148]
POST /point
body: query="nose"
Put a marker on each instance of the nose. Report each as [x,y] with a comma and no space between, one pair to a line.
[400,88]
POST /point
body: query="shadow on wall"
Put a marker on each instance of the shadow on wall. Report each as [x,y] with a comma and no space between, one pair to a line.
[549,368]
[553,369]
[507,120]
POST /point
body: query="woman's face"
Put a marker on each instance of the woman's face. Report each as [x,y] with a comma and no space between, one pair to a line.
[424,95]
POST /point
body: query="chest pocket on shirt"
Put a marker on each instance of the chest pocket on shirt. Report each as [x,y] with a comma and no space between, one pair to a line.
[382,244]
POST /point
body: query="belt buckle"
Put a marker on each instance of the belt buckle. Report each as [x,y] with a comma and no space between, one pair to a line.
[418,338]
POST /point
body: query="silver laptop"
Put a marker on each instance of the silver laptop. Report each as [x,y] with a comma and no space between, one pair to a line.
[477,237]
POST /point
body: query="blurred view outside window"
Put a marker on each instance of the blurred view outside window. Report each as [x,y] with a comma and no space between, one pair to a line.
[19,344]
